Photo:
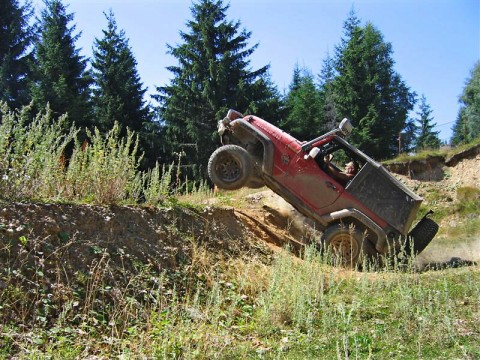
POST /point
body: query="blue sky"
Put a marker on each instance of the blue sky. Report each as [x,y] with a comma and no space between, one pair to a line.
[435,43]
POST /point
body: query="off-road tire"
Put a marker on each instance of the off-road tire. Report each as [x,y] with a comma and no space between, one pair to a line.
[230,167]
[422,234]
[347,245]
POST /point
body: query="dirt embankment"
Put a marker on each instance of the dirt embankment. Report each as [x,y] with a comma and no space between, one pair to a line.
[73,237]
[64,241]
[465,165]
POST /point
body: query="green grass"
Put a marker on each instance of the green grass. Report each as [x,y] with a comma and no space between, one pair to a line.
[291,309]
[468,200]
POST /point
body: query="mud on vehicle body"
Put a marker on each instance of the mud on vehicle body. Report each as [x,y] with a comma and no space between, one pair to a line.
[371,214]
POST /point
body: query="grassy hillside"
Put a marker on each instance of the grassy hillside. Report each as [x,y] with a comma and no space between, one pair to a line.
[242,307]
[100,261]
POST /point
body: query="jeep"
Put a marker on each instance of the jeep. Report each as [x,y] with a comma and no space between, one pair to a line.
[368,215]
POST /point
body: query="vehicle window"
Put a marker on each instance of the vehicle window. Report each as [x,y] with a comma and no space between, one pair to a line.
[338,162]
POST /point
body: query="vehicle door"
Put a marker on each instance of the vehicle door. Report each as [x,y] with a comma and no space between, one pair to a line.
[304,177]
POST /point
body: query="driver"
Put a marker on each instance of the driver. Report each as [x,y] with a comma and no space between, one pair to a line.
[351,170]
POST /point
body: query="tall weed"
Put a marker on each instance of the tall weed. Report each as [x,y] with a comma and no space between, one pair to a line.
[295,292]
[31,153]
[157,183]
[104,170]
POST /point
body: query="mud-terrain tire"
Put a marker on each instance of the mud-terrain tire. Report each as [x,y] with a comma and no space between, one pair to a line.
[230,167]
[347,245]
[422,234]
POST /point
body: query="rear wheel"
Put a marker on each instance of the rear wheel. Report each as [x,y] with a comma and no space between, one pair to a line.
[346,244]
[230,167]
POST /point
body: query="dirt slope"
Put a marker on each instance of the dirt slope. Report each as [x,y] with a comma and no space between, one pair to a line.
[74,238]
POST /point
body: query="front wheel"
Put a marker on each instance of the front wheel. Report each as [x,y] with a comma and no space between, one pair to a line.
[230,167]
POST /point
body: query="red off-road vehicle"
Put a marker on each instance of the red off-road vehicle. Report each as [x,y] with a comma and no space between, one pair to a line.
[371,214]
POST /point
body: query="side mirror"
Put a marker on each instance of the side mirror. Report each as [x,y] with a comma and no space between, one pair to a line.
[345,127]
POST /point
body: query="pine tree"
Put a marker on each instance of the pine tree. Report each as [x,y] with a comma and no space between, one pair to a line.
[304,107]
[326,78]
[467,126]
[16,37]
[118,91]
[408,137]
[265,100]
[61,78]
[459,130]
[212,76]
[427,138]
[368,90]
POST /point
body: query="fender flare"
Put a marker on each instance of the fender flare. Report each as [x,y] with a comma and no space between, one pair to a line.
[362,218]
[267,162]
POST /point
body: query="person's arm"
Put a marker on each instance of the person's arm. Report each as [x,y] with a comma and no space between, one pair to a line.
[338,174]
[335,172]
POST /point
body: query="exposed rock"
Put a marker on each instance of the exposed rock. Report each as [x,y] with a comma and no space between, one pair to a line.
[429,169]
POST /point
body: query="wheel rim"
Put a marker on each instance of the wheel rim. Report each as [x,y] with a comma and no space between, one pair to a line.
[228,168]
[343,246]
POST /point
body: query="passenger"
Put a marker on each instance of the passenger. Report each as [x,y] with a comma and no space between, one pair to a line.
[351,170]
